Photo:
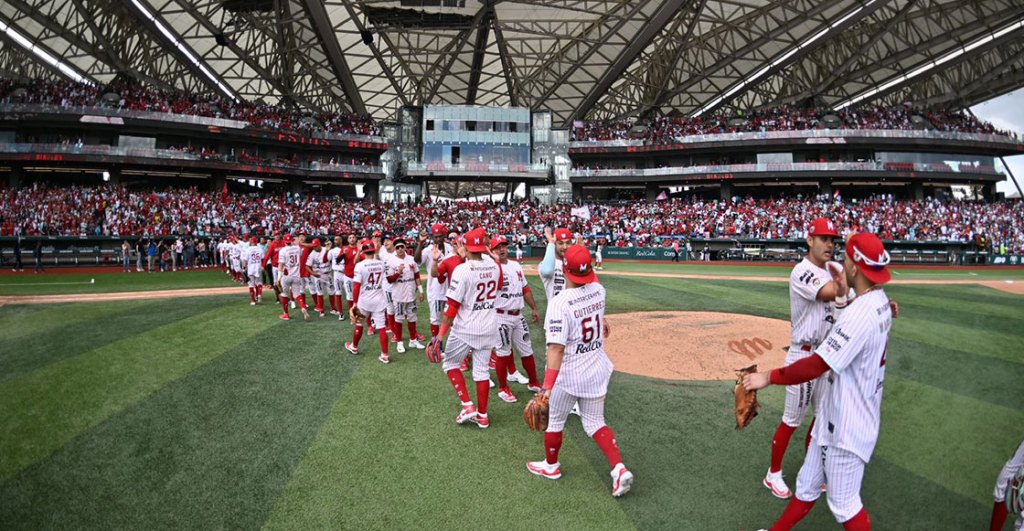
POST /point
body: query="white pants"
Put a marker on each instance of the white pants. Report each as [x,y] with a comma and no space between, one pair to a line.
[375,318]
[277,274]
[255,277]
[513,332]
[391,303]
[561,402]
[841,470]
[347,284]
[339,283]
[456,350]
[313,285]
[437,310]
[291,287]
[405,312]
[799,397]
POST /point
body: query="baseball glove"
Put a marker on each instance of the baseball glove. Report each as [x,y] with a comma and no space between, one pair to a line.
[746,401]
[536,412]
[356,314]
[435,352]
[1015,493]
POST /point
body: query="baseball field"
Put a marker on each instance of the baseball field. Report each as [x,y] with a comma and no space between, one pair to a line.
[205,412]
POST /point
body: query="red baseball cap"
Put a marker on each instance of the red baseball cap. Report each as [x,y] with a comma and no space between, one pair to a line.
[253,240]
[563,233]
[576,265]
[476,241]
[287,238]
[376,233]
[870,256]
[823,227]
[438,228]
[498,240]
[316,242]
[367,246]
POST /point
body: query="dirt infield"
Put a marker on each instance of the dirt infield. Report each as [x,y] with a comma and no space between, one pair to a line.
[694,345]
[122,295]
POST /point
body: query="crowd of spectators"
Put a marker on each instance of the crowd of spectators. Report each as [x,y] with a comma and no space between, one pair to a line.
[119,211]
[137,97]
[666,129]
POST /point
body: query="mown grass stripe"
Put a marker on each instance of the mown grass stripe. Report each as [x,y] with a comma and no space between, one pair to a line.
[977,300]
[18,321]
[390,456]
[64,339]
[210,450]
[956,441]
[42,410]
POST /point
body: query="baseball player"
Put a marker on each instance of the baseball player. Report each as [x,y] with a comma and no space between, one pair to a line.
[336,259]
[386,253]
[848,418]
[442,270]
[519,251]
[814,294]
[578,369]
[351,252]
[237,249]
[368,296]
[599,255]
[317,270]
[289,260]
[550,267]
[424,254]
[472,321]
[999,512]
[253,258]
[270,263]
[404,276]
[513,331]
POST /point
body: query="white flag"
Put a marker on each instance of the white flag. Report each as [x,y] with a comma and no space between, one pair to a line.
[581,212]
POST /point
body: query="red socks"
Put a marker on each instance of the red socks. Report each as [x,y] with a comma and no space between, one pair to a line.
[998,517]
[605,440]
[510,364]
[396,328]
[459,383]
[389,322]
[302,301]
[795,511]
[357,334]
[252,294]
[284,304]
[333,299]
[859,522]
[259,290]
[413,333]
[531,369]
[499,369]
[434,330]
[383,335]
[483,389]
[807,441]
[552,443]
[779,444]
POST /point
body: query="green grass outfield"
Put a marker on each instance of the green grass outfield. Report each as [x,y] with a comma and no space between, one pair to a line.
[208,413]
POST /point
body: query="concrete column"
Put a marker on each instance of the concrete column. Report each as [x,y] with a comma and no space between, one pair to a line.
[917,190]
[725,192]
[218,180]
[651,192]
[115,175]
[826,187]
[371,191]
[527,190]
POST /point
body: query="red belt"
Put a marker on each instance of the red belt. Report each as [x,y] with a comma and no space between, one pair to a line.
[510,312]
[806,348]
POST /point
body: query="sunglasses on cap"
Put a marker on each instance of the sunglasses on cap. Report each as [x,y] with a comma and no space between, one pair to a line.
[400,246]
[876,264]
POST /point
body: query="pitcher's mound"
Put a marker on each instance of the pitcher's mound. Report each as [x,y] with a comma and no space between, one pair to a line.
[695,345]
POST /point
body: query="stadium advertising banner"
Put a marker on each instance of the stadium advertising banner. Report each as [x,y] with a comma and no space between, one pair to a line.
[1011,259]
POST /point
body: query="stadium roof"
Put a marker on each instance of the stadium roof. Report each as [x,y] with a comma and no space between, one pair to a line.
[587,59]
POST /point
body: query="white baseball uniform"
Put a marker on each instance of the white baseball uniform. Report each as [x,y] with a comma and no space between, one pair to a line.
[436,292]
[254,262]
[1005,475]
[288,259]
[474,285]
[575,319]
[811,321]
[849,413]
[386,256]
[315,261]
[369,274]
[235,252]
[513,330]
[554,284]
[336,258]
[403,289]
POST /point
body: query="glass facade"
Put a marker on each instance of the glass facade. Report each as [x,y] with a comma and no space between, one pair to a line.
[456,134]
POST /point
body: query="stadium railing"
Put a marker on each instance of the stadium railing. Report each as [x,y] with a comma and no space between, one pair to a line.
[775,167]
[806,134]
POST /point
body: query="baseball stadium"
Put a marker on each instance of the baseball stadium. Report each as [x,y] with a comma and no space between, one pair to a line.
[512,264]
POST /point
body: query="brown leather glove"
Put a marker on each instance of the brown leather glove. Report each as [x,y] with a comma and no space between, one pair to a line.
[536,412]
[746,401]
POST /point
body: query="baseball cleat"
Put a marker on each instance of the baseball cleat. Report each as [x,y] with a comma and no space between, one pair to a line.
[622,480]
[341,317]
[400,347]
[575,409]
[351,348]
[482,421]
[493,385]
[305,315]
[775,483]
[384,359]
[421,337]
[506,395]
[292,303]
[518,378]
[334,312]
[321,312]
[284,317]
[543,469]
[371,330]
[533,388]
[252,303]
[415,343]
[467,414]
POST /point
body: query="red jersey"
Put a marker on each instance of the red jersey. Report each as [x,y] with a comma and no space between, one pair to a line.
[447,267]
[350,260]
[272,249]
[305,255]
